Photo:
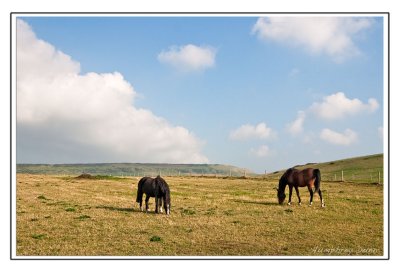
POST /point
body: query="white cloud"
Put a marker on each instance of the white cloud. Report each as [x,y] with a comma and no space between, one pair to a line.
[346,138]
[333,36]
[380,132]
[64,116]
[294,72]
[189,57]
[261,151]
[245,132]
[337,106]
[296,127]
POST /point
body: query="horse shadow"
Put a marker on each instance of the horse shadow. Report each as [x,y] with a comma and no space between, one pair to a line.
[117,209]
[265,203]
[125,210]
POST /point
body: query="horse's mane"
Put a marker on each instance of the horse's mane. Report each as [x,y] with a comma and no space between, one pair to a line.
[288,172]
[160,183]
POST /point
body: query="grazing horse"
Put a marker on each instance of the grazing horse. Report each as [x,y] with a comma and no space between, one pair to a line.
[154,187]
[300,178]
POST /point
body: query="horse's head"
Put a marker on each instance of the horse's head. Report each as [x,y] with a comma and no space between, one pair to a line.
[281,196]
[281,190]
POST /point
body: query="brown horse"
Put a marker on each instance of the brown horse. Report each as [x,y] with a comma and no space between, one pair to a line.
[300,178]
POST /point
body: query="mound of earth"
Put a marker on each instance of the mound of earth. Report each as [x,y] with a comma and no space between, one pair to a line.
[85,176]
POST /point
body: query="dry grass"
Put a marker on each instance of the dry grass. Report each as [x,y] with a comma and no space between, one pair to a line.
[58,216]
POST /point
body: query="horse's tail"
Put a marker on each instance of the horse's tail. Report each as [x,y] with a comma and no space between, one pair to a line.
[140,190]
[317,182]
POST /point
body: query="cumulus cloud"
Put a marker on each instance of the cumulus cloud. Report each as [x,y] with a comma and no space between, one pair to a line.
[296,127]
[333,107]
[261,151]
[333,36]
[346,138]
[189,57]
[245,132]
[337,106]
[65,116]
[380,132]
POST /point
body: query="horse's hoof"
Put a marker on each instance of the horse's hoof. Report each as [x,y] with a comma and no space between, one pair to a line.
[310,204]
[299,203]
[289,203]
[323,205]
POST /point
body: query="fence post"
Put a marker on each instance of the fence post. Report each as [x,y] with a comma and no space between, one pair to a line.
[379,177]
[342,176]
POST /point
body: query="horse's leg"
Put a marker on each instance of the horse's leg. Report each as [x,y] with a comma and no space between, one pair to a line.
[298,195]
[157,202]
[290,194]
[140,203]
[147,202]
[320,197]
[160,204]
[311,194]
[166,206]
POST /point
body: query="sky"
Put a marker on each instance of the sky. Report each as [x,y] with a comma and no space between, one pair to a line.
[265,93]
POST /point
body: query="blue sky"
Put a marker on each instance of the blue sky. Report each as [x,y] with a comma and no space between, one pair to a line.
[261,93]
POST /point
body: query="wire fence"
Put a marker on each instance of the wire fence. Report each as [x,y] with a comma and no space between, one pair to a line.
[372,176]
[190,174]
[343,176]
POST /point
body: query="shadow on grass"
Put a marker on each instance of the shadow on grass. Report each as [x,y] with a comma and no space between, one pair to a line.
[256,202]
[117,209]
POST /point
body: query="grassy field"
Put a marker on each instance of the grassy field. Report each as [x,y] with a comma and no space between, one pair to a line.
[64,216]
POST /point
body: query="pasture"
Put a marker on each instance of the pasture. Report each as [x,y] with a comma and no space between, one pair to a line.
[64,216]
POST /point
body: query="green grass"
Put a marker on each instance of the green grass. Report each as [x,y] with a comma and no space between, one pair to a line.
[97,177]
[209,217]
[42,197]
[83,217]
[155,238]
[38,236]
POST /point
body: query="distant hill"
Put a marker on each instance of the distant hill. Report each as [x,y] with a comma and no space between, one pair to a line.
[358,169]
[134,169]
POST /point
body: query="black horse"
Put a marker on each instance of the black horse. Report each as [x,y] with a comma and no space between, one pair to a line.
[300,178]
[154,187]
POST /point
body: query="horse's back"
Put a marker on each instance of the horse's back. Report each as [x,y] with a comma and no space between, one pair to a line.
[153,186]
[147,185]
[302,178]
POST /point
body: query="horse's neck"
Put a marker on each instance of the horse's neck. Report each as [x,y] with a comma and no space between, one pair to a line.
[282,184]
